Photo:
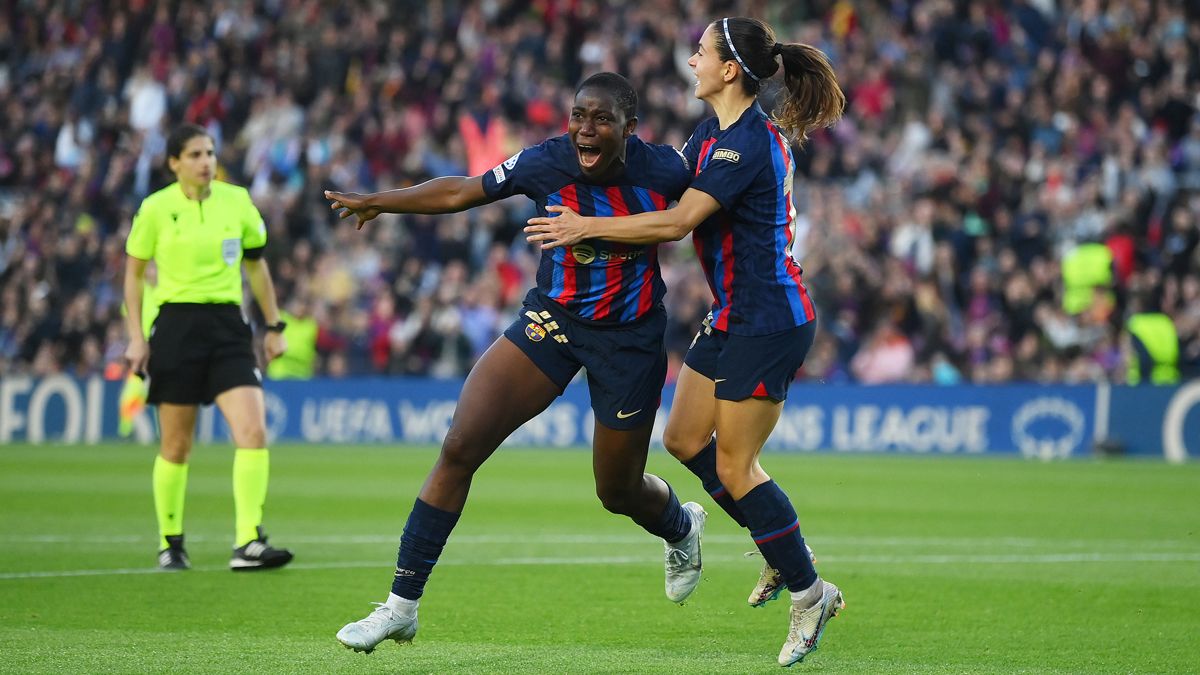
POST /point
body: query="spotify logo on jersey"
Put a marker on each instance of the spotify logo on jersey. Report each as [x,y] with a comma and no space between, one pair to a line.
[583,253]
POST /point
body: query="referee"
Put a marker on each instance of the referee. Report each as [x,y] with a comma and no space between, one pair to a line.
[197,230]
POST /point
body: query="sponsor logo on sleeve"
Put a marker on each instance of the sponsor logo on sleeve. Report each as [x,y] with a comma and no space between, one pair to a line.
[509,164]
[727,155]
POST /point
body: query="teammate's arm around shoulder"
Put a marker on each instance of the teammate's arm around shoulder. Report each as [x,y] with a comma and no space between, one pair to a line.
[652,227]
[449,194]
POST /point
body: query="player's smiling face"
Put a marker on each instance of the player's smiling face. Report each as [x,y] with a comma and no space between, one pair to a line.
[196,164]
[710,70]
[598,130]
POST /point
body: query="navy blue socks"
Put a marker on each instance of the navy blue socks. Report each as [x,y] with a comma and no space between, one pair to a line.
[425,536]
[704,465]
[776,531]
[675,523]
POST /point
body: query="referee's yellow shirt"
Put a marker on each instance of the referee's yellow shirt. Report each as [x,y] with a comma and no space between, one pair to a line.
[197,244]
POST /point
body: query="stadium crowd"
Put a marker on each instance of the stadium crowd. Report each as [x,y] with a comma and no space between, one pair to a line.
[985,142]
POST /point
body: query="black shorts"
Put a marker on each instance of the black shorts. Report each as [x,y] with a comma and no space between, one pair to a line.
[626,363]
[198,351]
[750,366]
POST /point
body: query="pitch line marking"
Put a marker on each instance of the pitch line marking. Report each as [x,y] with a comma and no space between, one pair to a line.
[1052,558]
[608,539]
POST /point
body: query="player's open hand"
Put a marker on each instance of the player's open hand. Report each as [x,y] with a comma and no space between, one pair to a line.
[564,229]
[352,204]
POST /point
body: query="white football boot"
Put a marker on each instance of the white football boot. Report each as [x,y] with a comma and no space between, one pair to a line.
[382,624]
[808,623]
[683,557]
[770,581]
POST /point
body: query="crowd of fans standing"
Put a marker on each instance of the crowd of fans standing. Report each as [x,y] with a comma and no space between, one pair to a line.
[984,142]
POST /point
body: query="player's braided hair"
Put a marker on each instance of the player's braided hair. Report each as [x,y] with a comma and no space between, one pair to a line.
[616,86]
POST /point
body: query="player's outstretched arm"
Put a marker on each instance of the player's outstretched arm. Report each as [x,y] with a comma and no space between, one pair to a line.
[652,227]
[440,195]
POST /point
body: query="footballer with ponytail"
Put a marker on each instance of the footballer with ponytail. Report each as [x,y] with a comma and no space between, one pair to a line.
[735,376]
[812,98]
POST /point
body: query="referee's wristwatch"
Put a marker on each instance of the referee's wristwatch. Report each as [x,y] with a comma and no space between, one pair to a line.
[276,327]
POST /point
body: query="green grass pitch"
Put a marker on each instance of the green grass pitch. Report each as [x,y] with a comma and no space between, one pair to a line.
[949,565]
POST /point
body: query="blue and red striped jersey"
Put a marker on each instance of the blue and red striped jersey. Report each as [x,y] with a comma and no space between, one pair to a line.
[596,280]
[746,246]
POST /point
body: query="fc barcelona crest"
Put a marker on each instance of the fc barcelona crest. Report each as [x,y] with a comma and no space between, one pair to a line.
[535,332]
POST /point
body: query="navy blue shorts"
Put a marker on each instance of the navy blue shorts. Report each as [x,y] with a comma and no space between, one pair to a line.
[626,363]
[750,366]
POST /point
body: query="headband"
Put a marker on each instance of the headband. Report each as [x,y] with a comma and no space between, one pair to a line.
[732,48]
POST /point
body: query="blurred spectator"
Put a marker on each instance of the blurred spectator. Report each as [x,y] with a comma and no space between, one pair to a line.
[887,356]
[939,223]
[1152,346]
[300,334]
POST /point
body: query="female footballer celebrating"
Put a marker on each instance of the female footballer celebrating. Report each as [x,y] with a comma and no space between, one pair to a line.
[596,306]
[737,372]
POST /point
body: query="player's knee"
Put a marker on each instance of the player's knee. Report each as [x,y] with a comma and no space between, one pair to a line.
[681,446]
[458,452]
[618,499]
[733,475]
